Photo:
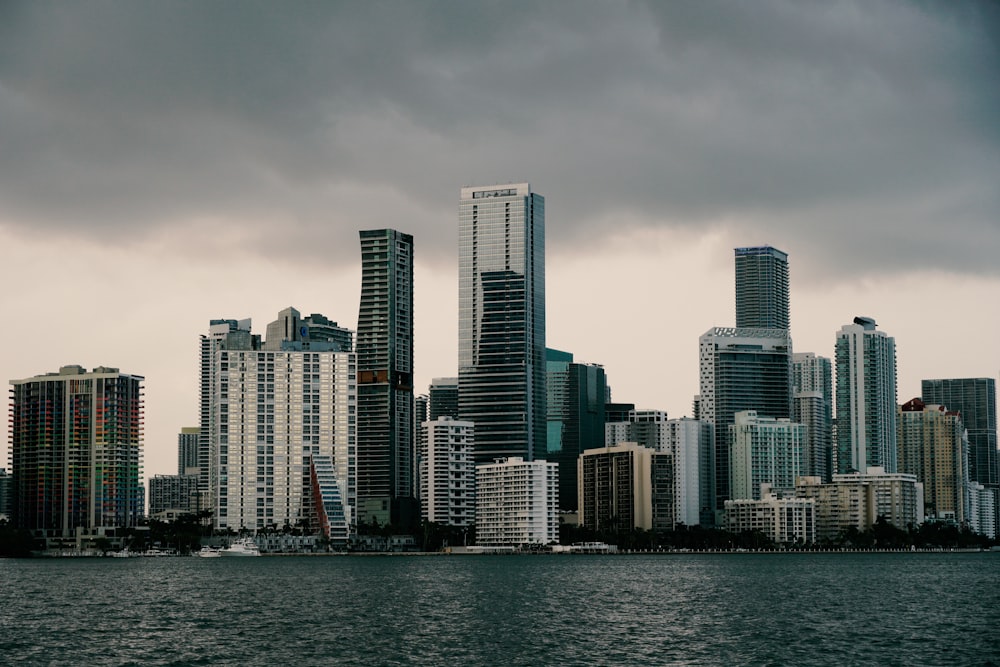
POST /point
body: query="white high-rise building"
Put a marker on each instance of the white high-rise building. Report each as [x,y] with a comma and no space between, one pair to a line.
[501,313]
[268,411]
[448,472]
[866,398]
[765,451]
[516,503]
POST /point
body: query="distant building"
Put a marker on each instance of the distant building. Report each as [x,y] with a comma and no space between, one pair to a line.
[330,515]
[866,397]
[501,313]
[448,472]
[742,369]
[443,399]
[187,450]
[812,396]
[933,447]
[899,497]
[617,412]
[975,400]
[783,520]
[616,487]
[982,510]
[761,288]
[516,503]
[764,450]
[384,346]
[177,493]
[76,452]
[840,506]
[5,495]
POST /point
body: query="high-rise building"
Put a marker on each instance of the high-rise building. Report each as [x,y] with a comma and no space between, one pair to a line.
[177,494]
[812,389]
[767,451]
[761,288]
[516,503]
[898,496]
[575,408]
[975,399]
[5,495]
[187,450]
[76,452]
[784,520]
[866,397]
[841,507]
[448,472]
[934,448]
[742,369]
[644,427]
[443,398]
[501,312]
[384,348]
[616,487]
[267,409]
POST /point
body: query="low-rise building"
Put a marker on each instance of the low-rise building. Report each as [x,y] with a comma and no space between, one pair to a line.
[784,521]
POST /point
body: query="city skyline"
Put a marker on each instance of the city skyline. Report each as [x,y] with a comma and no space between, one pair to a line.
[142,201]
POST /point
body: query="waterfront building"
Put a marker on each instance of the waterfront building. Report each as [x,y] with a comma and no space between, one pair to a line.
[764,450]
[173,494]
[329,515]
[784,521]
[187,450]
[866,397]
[812,396]
[616,487]
[5,495]
[501,341]
[575,405]
[933,447]
[384,346]
[840,506]
[443,398]
[898,497]
[761,288]
[76,452]
[975,399]
[742,369]
[982,510]
[268,408]
[448,472]
[516,503]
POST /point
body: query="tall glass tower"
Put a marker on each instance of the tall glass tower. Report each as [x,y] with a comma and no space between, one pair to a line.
[865,398]
[385,379]
[976,400]
[761,288]
[501,314]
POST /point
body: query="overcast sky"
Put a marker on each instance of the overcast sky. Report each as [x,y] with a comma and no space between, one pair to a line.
[165,163]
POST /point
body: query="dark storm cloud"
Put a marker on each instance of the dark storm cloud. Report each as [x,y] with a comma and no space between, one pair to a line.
[829,129]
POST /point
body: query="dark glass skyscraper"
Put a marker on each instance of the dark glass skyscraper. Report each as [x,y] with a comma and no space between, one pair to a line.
[761,288]
[501,312]
[384,347]
[975,399]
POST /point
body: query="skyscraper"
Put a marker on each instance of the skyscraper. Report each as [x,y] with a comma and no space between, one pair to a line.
[866,398]
[764,451]
[742,369]
[812,386]
[76,452]
[761,288]
[385,379]
[442,398]
[575,406]
[975,399]
[501,341]
[934,448]
[187,450]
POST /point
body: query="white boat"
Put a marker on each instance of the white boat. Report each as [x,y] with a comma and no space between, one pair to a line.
[245,546]
[209,552]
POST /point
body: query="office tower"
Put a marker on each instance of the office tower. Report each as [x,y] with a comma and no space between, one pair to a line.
[812,387]
[975,399]
[616,413]
[384,348]
[172,495]
[866,397]
[575,406]
[443,398]
[516,503]
[764,450]
[616,487]
[448,472]
[501,312]
[269,408]
[187,450]
[742,369]
[76,452]
[934,448]
[761,288]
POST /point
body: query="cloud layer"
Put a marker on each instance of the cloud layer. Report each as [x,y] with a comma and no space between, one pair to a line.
[862,137]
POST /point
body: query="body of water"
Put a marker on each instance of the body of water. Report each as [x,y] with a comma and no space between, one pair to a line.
[737,609]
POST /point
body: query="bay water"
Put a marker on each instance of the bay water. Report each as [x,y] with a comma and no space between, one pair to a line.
[732,609]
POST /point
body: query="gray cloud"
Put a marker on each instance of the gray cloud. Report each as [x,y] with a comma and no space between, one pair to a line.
[833,130]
